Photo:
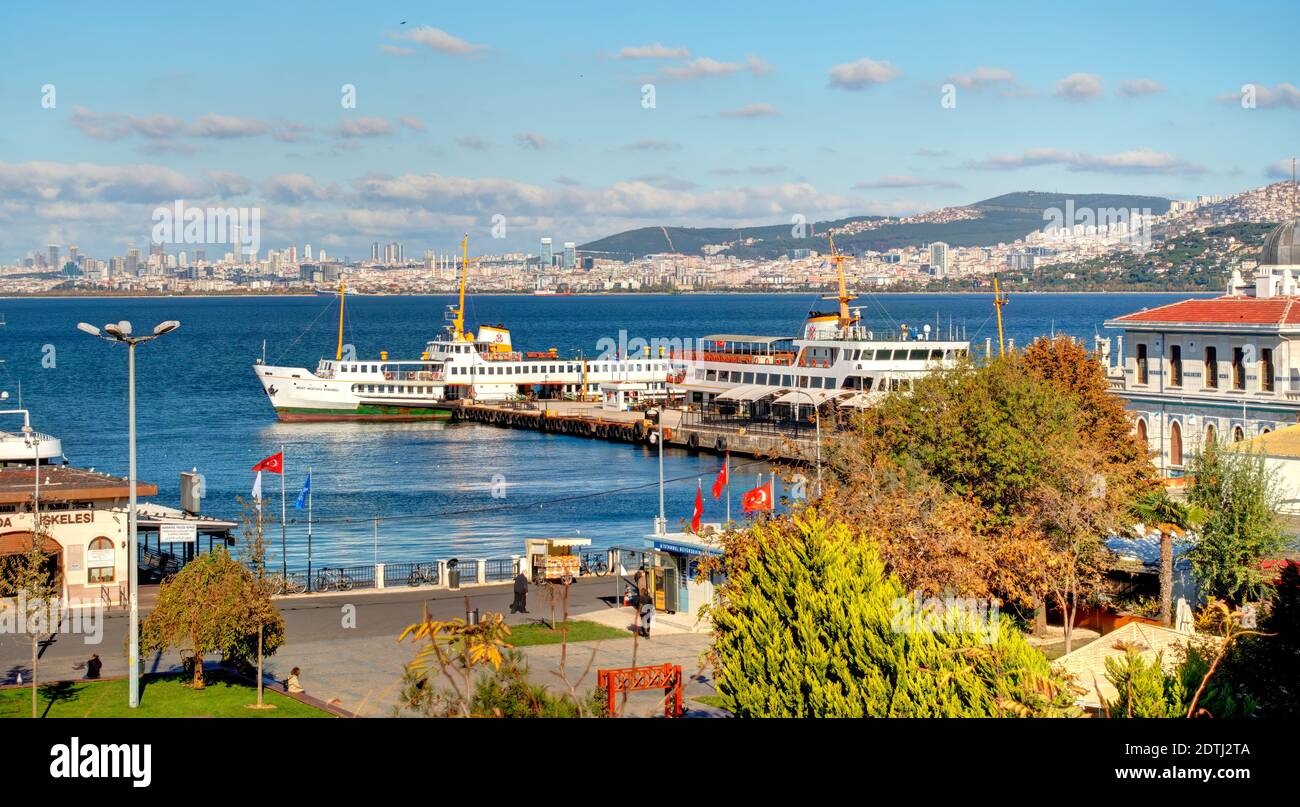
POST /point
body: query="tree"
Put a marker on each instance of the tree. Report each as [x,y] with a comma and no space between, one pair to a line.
[1266,667]
[1241,497]
[809,623]
[253,551]
[30,580]
[1143,689]
[1170,518]
[213,605]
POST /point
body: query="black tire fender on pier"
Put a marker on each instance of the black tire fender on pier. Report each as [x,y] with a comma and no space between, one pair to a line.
[721,445]
[693,441]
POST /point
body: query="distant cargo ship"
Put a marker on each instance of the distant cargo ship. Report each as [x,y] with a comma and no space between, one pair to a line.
[457,365]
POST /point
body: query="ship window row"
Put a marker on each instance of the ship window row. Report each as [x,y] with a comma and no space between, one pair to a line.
[903,354]
[393,389]
[515,369]
[864,383]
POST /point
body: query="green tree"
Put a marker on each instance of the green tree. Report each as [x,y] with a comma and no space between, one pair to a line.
[213,605]
[30,579]
[1241,496]
[810,624]
[1170,518]
[1143,688]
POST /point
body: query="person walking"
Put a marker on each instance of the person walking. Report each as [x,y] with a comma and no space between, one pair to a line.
[292,685]
[520,604]
[646,608]
[93,666]
[639,579]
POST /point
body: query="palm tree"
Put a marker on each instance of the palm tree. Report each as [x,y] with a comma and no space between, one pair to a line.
[1170,517]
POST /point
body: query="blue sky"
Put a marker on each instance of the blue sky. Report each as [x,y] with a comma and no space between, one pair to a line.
[762,111]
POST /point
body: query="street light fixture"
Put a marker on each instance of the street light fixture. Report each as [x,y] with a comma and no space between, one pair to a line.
[120,332]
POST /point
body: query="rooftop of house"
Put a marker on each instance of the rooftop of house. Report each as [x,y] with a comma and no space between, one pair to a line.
[1284,443]
[1088,663]
[64,483]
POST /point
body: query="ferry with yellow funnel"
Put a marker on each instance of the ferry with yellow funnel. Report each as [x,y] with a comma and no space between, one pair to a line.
[833,361]
[458,364]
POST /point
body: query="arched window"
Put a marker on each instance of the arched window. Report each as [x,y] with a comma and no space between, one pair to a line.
[100,561]
[1210,434]
[1142,429]
[1237,434]
[1175,443]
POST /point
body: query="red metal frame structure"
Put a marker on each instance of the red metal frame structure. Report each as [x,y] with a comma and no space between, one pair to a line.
[667,677]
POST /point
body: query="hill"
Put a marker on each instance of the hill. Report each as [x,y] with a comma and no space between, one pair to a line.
[1000,219]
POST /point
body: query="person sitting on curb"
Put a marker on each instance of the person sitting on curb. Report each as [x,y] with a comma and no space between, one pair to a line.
[292,685]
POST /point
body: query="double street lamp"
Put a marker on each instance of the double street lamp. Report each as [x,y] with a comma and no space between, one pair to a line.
[121,332]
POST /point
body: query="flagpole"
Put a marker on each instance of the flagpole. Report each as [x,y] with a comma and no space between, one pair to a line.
[284,559]
[726,466]
[309,529]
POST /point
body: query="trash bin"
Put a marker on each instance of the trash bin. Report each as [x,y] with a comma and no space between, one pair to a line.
[453,574]
[471,616]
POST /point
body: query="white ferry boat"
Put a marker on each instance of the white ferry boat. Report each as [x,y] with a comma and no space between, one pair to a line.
[835,359]
[483,366]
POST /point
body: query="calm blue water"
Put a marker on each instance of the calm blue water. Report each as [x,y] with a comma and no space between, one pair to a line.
[200,406]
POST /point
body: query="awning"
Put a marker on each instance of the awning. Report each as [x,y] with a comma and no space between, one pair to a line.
[739,393]
[809,397]
[562,541]
[860,400]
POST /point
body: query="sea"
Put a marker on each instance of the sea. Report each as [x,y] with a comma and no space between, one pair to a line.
[418,492]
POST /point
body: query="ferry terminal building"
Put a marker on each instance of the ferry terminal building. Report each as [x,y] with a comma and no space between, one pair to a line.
[1225,369]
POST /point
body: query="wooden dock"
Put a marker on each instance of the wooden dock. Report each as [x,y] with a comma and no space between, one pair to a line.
[681,429]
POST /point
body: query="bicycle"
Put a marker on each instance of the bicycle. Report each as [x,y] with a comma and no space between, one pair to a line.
[422,574]
[334,579]
[594,565]
[287,585]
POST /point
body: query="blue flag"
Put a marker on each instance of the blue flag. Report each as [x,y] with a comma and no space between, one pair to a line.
[301,503]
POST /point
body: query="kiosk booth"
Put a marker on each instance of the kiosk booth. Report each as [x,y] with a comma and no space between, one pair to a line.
[553,559]
[672,560]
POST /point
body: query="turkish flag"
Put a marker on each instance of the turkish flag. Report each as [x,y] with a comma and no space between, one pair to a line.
[699,508]
[720,483]
[273,464]
[760,498]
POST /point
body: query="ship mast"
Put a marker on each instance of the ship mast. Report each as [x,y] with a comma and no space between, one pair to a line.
[999,300]
[846,319]
[338,354]
[458,325]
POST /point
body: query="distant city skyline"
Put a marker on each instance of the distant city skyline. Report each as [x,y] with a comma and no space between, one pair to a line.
[528,122]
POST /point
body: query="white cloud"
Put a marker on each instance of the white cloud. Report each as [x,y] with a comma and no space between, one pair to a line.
[414,124]
[1281,169]
[473,143]
[862,74]
[761,110]
[1080,87]
[1135,87]
[1133,161]
[532,140]
[439,40]
[225,127]
[396,50]
[295,187]
[705,67]
[1281,96]
[652,145]
[655,51]
[364,127]
[982,78]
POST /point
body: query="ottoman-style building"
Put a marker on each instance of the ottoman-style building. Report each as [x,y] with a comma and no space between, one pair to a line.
[1226,368]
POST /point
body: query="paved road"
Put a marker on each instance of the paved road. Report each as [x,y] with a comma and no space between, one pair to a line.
[346,643]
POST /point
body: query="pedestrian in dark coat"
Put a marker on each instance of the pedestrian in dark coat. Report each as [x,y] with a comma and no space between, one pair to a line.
[520,604]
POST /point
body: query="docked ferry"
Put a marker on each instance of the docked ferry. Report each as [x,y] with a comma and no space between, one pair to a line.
[458,364]
[834,360]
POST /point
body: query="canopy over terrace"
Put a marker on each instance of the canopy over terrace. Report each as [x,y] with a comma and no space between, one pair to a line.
[171,529]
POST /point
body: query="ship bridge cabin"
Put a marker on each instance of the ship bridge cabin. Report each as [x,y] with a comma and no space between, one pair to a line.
[1222,369]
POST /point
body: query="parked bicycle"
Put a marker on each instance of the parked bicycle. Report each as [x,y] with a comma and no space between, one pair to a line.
[334,580]
[422,574]
[286,585]
[593,564]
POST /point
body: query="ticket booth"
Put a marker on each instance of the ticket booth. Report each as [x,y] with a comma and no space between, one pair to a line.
[554,559]
[673,563]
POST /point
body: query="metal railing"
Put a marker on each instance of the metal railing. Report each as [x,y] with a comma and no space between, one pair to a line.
[497,569]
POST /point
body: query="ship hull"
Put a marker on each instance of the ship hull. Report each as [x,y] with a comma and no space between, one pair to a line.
[367,413]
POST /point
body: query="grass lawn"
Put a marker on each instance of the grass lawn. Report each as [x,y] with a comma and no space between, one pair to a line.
[579,630]
[160,696]
[710,700]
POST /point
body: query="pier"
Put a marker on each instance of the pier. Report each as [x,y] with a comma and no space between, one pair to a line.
[690,430]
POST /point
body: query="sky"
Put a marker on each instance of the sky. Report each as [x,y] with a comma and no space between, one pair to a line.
[577,120]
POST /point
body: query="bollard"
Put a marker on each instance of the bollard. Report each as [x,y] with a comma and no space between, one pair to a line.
[442,573]
[379,575]
[481,577]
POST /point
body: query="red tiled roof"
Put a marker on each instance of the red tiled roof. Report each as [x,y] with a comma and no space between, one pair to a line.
[1226,310]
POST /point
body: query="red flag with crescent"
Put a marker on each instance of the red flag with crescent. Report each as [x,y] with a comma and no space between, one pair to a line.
[699,507]
[760,498]
[720,483]
[273,464]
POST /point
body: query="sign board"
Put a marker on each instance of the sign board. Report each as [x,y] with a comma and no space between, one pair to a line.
[684,549]
[97,558]
[177,533]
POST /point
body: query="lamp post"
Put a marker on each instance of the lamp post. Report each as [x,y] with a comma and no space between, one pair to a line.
[817,422]
[121,332]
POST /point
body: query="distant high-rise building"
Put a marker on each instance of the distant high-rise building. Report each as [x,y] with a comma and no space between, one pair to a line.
[939,259]
[52,260]
[374,252]
[570,255]
[72,254]
[133,265]
[548,254]
[306,253]
[200,255]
